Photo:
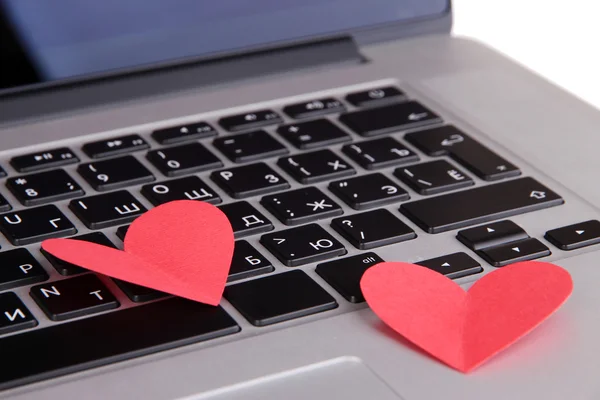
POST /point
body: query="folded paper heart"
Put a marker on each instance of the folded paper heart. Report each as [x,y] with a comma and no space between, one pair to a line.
[465,328]
[182,247]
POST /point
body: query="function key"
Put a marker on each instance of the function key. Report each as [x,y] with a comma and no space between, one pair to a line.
[249,146]
[188,188]
[368,191]
[19,268]
[492,234]
[433,177]
[524,250]
[47,159]
[391,118]
[252,120]
[247,262]
[454,266]
[377,96]
[315,167]
[66,268]
[115,173]
[575,236]
[314,108]
[115,146]
[301,205]
[35,224]
[249,180]
[184,159]
[379,153]
[44,187]
[183,133]
[14,316]
[311,134]
[106,210]
[245,219]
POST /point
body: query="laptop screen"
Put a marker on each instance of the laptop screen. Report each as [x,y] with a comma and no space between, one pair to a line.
[58,39]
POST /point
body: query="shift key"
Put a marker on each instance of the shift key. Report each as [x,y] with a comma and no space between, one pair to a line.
[482,204]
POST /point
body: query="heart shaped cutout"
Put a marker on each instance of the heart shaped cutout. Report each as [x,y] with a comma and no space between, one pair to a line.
[465,328]
[182,247]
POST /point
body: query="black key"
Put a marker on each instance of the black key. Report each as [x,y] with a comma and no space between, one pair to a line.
[108,209]
[433,177]
[14,316]
[115,146]
[392,118]
[92,342]
[492,234]
[35,224]
[115,173]
[528,249]
[66,268]
[279,298]
[368,191]
[478,205]
[315,167]
[74,297]
[575,236]
[314,108]
[344,275]
[184,159]
[454,266]
[188,188]
[44,187]
[302,245]
[137,293]
[122,231]
[247,262]
[18,268]
[380,153]
[377,96]
[251,120]
[447,140]
[245,219]
[301,205]
[249,146]
[249,180]
[312,134]
[46,159]
[4,206]
[372,229]
[183,133]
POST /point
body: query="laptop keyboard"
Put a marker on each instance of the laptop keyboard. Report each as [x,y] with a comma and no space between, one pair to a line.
[269,198]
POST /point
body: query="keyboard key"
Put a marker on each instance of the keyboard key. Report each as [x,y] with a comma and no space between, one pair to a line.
[184,159]
[92,342]
[575,236]
[2,172]
[245,219]
[35,224]
[279,298]
[4,206]
[108,209]
[115,146]
[433,177]
[315,167]
[122,231]
[115,173]
[373,229]
[447,140]
[301,205]
[137,293]
[302,245]
[74,297]
[391,118]
[312,134]
[368,191]
[454,266]
[344,275]
[46,159]
[44,187]
[379,153]
[14,316]
[253,120]
[314,108]
[249,180]
[249,146]
[247,262]
[188,188]
[18,268]
[525,250]
[183,133]
[377,96]
[65,268]
[491,235]
[478,205]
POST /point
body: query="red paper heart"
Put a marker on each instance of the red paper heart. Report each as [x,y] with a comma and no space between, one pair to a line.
[465,328]
[183,248]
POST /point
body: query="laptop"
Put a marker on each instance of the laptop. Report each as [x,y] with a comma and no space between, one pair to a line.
[334,135]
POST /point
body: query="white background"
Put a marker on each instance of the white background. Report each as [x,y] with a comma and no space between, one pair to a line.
[559,39]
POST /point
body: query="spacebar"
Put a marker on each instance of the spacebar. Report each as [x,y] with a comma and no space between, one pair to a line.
[92,342]
[474,206]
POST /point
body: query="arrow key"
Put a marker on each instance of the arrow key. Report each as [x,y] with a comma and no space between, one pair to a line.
[454,266]
[575,236]
[492,234]
[524,250]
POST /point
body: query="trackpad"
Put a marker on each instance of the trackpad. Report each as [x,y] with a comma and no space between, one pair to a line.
[340,378]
